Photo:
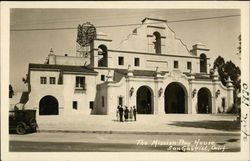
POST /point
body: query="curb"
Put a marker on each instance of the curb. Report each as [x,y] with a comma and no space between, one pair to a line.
[140,132]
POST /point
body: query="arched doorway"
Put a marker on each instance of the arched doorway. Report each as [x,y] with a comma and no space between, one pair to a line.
[48,105]
[175,101]
[144,100]
[204,101]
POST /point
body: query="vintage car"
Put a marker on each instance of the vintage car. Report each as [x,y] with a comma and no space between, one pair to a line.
[22,121]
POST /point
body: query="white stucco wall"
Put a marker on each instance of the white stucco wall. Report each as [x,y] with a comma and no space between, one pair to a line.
[68,60]
[150,62]
[122,88]
[82,97]
[65,93]
[140,45]
[38,90]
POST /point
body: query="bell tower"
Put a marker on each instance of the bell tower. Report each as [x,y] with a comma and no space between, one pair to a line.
[99,51]
[156,34]
[201,50]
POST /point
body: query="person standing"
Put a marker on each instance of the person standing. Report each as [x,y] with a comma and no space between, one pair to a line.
[131,113]
[117,112]
[126,111]
[121,113]
[134,112]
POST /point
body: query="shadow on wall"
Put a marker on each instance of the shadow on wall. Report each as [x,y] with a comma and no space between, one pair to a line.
[209,124]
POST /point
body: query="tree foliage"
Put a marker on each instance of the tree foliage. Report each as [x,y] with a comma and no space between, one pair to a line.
[228,69]
[11,91]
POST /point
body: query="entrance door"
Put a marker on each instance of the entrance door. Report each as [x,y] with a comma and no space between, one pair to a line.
[48,105]
[144,100]
[204,101]
[174,99]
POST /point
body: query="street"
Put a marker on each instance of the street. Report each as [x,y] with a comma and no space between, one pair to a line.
[101,142]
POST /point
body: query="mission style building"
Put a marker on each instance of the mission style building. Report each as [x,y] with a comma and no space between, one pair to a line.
[151,70]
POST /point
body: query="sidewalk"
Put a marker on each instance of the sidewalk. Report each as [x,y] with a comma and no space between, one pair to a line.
[175,124]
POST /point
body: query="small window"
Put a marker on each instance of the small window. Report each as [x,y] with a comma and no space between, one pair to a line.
[120,60]
[102,77]
[91,105]
[176,64]
[43,80]
[80,82]
[189,65]
[135,31]
[102,101]
[75,105]
[137,61]
[52,80]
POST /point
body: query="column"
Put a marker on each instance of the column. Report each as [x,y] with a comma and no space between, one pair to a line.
[230,96]
[159,93]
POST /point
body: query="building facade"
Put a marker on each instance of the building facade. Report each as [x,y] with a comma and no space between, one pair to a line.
[151,69]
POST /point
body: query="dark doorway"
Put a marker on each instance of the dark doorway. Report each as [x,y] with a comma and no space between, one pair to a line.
[157,42]
[203,63]
[144,101]
[204,101]
[120,101]
[48,105]
[102,56]
[174,99]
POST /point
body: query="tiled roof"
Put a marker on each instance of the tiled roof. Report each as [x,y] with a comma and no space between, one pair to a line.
[66,68]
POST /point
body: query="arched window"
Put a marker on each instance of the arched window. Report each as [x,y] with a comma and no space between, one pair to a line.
[157,42]
[203,63]
[102,56]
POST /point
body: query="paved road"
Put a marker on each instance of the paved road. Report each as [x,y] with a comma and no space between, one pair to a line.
[85,142]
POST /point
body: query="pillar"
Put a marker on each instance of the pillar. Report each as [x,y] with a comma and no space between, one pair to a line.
[230,95]
[192,96]
[128,96]
[215,78]
[108,96]
[158,94]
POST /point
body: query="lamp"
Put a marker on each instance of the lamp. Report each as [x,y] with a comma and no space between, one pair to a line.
[160,91]
[132,91]
[217,93]
[194,92]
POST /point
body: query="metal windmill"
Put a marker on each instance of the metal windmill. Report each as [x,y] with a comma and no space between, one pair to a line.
[86,33]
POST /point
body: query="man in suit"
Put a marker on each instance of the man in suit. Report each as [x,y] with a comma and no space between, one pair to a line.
[121,113]
[134,112]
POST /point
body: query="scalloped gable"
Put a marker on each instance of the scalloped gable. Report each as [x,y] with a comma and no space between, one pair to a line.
[142,39]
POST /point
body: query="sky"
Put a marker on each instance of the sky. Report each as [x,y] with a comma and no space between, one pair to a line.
[33,46]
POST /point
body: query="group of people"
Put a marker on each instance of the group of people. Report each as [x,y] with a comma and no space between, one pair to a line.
[126,113]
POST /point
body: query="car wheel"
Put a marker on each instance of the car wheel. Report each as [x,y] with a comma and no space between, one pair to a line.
[33,125]
[20,128]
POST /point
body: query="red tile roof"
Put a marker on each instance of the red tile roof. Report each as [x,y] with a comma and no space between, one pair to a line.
[65,68]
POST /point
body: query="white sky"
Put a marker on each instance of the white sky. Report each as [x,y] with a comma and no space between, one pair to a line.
[220,35]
